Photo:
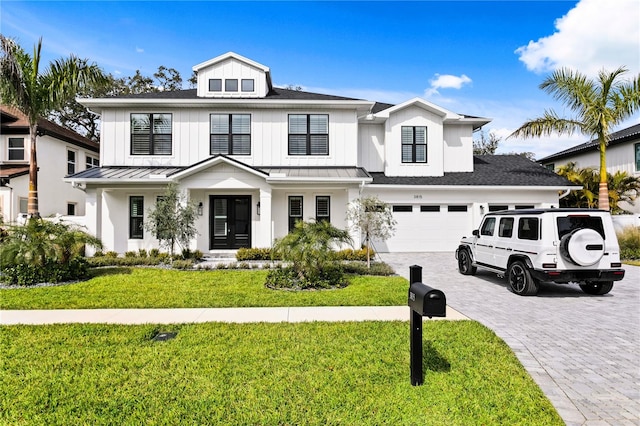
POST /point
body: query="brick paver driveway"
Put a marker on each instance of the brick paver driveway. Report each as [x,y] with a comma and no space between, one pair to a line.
[582,350]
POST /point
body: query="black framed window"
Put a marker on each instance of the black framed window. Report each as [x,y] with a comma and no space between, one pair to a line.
[414,144]
[295,210]
[136,217]
[71,162]
[429,208]
[528,228]
[637,151]
[308,134]
[71,209]
[230,134]
[402,208]
[151,134]
[323,208]
[524,206]
[231,85]
[498,207]
[215,85]
[457,208]
[248,85]
[16,148]
[92,162]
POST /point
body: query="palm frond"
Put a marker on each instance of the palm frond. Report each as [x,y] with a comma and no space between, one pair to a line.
[546,125]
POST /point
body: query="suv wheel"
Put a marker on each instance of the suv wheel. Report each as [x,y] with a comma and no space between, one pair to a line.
[465,264]
[597,288]
[520,280]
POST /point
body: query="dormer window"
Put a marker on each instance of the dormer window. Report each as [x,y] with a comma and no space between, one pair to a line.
[215,85]
[231,85]
[414,144]
[247,85]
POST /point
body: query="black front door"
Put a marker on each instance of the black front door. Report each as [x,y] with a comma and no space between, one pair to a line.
[229,221]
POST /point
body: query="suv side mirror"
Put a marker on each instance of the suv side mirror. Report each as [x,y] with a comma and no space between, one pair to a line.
[476,233]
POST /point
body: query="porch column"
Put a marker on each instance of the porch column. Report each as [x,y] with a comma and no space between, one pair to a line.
[352,194]
[92,208]
[264,237]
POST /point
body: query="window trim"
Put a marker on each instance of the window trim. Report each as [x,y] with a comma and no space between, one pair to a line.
[15,149]
[326,217]
[23,201]
[72,163]
[247,80]
[132,218]
[74,206]
[413,145]
[229,135]
[151,147]
[229,84]
[91,162]
[293,219]
[215,82]
[307,135]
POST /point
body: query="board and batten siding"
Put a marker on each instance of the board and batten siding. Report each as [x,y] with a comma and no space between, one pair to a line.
[458,148]
[371,147]
[232,69]
[191,134]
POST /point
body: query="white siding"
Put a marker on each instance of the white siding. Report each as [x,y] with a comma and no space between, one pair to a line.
[458,148]
[232,68]
[371,147]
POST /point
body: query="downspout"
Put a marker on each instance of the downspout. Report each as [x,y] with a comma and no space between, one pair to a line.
[564,194]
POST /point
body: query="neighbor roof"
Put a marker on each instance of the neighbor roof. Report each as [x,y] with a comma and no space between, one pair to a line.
[488,170]
[621,136]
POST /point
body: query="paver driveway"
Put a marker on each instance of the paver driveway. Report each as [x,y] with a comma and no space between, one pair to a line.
[582,350]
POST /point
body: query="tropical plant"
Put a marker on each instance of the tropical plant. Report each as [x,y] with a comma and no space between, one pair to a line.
[36,93]
[43,250]
[308,248]
[372,218]
[172,219]
[621,188]
[599,105]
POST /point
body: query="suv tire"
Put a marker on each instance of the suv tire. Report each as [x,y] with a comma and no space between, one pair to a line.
[582,247]
[465,264]
[597,288]
[520,280]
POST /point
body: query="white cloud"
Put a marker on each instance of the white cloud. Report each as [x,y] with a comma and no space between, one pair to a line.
[446,81]
[595,34]
[139,50]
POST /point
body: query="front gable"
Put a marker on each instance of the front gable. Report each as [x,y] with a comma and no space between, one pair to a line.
[221,172]
[232,76]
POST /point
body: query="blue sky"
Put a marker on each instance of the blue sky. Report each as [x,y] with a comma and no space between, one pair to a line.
[483,58]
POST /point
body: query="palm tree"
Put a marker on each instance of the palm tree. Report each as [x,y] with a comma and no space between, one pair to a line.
[36,94]
[598,104]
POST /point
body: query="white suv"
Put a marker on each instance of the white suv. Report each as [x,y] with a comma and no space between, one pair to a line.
[545,245]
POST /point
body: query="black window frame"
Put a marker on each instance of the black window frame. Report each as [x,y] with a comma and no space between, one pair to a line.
[153,137]
[71,162]
[457,208]
[319,216]
[12,150]
[308,135]
[637,155]
[215,85]
[230,135]
[293,219]
[430,208]
[498,207]
[402,208]
[247,80]
[136,221]
[230,84]
[91,162]
[71,209]
[414,145]
[533,233]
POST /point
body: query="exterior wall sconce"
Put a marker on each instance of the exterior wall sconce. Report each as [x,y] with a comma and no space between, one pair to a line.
[258,208]
[200,212]
[481,209]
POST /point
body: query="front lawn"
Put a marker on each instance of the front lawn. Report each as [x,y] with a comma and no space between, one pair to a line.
[263,374]
[161,288]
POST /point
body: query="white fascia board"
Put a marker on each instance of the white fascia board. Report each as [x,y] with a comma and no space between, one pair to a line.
[474,187]
[212,162]
[225,102]
[442,112]
[318,180]
[146,180]
[226,56]
[477,122]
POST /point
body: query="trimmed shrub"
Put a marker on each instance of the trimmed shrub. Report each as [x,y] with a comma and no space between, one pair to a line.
[163,257]
[197,255]
[331,276]
[99,253]
[112,254]
[182,264]
[352,255]
[53,272]
[130,254]
[360,268]
[142,253]
[254,254]
[629,241]
[122,261]
[154,252]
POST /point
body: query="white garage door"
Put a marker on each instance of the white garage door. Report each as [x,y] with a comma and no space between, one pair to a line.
[428,228]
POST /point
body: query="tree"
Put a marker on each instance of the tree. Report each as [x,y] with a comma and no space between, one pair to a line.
[309,247]
[598,104]
[36,93]
[172,219]
[621,188]
[372,218]
[484,145]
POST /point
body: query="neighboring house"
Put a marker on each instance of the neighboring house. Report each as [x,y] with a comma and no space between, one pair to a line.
[256,158]
[623,154]
[60,152]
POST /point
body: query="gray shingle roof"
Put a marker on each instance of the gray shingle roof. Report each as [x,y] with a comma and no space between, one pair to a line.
[488,170]
[621,136]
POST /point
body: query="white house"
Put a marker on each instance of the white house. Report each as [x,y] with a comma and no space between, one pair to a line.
[60,152]
[623,154]
[256,158]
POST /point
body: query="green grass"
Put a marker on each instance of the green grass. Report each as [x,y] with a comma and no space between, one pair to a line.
[160,288]
[264,374]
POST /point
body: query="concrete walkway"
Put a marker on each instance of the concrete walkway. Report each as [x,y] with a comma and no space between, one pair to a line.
[582,350]
[198,315]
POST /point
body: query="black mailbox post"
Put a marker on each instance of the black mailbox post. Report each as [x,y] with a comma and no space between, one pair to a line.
[423,301]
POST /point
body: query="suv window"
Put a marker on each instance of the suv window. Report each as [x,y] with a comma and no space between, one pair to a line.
[528,228]
[505,229]
[488,226]
[569,223]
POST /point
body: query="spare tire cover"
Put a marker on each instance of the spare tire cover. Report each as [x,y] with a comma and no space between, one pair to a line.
[582,247]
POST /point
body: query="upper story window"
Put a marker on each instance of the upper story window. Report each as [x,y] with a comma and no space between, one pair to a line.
[71,162]
[414,144]
[92,162]
[248,85]
[16,148]
[637,150]
[308,134]
[231,85]
[215,85]
[230,134]
[151,134]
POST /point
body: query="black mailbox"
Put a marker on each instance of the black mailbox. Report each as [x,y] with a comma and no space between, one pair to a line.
[427,301]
